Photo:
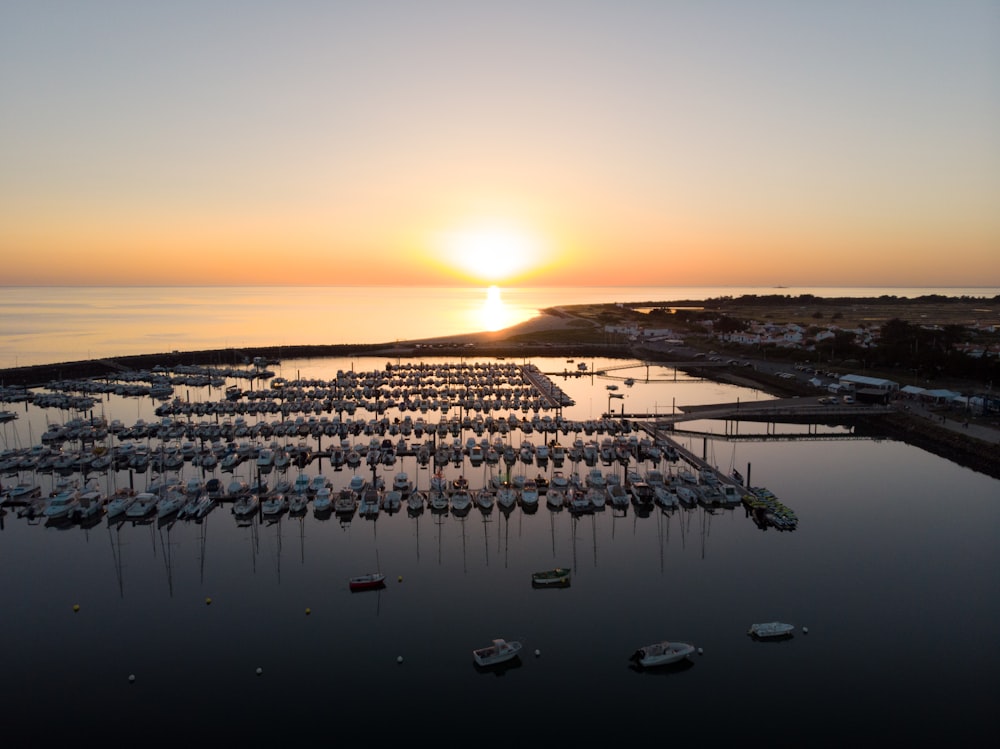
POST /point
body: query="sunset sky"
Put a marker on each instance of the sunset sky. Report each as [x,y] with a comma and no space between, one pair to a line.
[542,142]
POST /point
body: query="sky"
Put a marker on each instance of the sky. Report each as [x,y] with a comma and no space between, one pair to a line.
[541,142]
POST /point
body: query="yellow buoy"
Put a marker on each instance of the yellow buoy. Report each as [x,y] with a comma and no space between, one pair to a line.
[400,578]
[308,611]
[208,601]
[76,607]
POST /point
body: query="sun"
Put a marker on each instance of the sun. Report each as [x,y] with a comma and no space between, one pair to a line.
[492,253]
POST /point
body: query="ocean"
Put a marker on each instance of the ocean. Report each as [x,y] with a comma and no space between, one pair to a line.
[248,632]
[47,325]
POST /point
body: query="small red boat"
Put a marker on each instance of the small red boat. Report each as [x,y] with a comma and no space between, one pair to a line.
[371,581]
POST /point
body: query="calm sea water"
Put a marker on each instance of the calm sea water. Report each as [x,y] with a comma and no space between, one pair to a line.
[44,325]
[894,571]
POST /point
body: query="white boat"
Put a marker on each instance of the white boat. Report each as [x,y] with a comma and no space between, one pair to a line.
[461,500]
[662,653]
[401,483]
[297,503]
[119,503]
[323,501]
[484,499]
[143,505]
[357,484]
[506,495]
[497,652]
[392,500]
[62,505]
[90,506]
[580,502]
[346,503]
[596,478]
[246,506]
[618,496]
[437,500]
[370,503]
[686,495]
[301,484]
[771,629]
[206,503]
[274,504]
[23,491]
[439,482]
[665,497]
[170,502]
[598,497]
[555,498]
[529,493]
[415,502]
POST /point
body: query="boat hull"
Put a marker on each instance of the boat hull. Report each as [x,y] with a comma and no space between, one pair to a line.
[557,578]
[501,651]
[771,630]
[663,654]
[366,582]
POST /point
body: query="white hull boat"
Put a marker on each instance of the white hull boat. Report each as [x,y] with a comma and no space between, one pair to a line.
[765,630]
[663,653]
[498,652]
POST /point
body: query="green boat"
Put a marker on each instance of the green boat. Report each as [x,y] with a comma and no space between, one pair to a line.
[558,577]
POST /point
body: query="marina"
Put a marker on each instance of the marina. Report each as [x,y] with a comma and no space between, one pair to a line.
[466,415]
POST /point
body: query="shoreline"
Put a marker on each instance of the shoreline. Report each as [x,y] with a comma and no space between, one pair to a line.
[977,447]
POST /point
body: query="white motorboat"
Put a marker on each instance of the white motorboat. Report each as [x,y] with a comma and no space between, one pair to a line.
[663,653]
[686,495]
[323,501]
[401,483]
[357,484]
[497,652]
[346,503]
[392,500]
[301,484]
[62,505]
[274,504]
[297,503]
[619,497]
[119,503]
[529,493]
[596,479]
[142,505]
[665,497]
[370,503]
[170,503]
[23,491]
[555,498]
[579,502]
[765,630]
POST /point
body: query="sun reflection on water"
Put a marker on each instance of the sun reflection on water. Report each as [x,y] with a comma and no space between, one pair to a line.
[495,314]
